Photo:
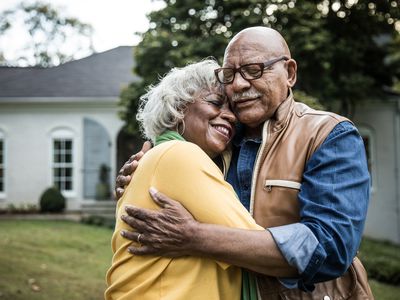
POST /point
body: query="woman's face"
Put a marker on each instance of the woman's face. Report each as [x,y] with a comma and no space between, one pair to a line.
[209,122]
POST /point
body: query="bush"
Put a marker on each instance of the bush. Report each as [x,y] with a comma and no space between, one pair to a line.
[52,201]
[20,208]
[382,260]
[99,221]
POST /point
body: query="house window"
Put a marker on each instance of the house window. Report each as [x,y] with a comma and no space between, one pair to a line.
[2,165]
[368,139]
[367,145]
[63,164]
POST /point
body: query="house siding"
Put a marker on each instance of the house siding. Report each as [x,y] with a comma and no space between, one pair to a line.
[381,117]
[27,129]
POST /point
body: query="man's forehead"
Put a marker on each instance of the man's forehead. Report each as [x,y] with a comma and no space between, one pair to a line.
[243,56]
[245,50]
[254,45]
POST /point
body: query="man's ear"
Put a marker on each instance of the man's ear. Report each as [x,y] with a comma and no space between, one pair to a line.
[292,72]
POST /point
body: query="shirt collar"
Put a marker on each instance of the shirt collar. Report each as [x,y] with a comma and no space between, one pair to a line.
[168,135]
[240,139]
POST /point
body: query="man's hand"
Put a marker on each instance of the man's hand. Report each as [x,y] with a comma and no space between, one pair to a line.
[124,175]
[173,232]
[165,232]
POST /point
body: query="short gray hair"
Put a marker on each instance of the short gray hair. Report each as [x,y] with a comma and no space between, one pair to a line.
[163,106]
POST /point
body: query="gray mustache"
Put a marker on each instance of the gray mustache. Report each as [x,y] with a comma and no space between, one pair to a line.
[244,95]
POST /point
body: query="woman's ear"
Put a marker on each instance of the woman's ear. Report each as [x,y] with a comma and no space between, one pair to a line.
[292,72]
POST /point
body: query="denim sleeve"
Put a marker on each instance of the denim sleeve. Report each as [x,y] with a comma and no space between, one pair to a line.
[333,202]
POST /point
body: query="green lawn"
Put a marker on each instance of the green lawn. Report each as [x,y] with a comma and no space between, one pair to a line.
[62,260]
[65,260]
[384,291]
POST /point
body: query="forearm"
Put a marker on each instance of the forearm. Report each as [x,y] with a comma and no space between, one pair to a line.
[334,203]
[251,249]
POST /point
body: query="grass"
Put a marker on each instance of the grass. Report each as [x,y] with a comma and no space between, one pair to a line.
[53,260]
[383,291]
[382,260]
[64,260]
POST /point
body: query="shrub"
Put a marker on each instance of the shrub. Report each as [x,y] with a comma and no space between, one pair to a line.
[21,208]
[99,221]
[382,260]
[52,201]
[103,187]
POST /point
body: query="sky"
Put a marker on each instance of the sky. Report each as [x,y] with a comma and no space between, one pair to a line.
[114,21]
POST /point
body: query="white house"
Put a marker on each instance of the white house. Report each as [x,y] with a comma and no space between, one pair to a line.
[58,126]
[379,123]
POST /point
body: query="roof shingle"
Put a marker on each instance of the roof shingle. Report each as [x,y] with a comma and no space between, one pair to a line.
[99,75]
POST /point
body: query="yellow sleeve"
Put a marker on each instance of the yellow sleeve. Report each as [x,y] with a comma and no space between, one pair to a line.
[186,174]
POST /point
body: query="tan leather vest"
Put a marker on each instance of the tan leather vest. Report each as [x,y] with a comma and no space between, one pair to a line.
[288,141]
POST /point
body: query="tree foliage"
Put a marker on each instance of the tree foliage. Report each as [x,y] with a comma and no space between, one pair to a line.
[346,50]
[51,37]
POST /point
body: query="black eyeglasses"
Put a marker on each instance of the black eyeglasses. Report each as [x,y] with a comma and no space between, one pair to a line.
[248,71]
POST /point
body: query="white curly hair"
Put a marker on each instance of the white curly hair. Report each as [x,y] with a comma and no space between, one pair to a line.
[163,106]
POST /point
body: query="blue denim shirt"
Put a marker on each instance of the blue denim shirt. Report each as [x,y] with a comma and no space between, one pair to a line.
[333,205]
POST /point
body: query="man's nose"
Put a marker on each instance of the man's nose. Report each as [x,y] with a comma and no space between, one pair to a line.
[239,83]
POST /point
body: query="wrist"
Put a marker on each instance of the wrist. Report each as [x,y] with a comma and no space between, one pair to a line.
[195,237]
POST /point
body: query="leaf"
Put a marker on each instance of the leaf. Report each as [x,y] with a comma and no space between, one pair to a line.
[35,288]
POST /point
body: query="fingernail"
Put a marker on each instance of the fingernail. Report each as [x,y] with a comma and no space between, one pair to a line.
[130,251]
[122,233]
[127,207]
[123,217]
[153,191]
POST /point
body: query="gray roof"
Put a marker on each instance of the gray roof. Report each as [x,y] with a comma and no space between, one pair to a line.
[99,75]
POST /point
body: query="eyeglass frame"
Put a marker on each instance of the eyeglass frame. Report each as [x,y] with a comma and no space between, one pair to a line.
[263,66]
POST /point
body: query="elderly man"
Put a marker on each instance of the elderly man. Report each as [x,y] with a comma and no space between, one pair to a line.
[301,173]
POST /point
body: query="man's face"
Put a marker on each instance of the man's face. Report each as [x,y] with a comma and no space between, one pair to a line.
[255,101]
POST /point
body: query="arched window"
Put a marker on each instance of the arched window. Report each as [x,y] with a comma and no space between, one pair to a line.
[63,160]
[2,165]
[369,144]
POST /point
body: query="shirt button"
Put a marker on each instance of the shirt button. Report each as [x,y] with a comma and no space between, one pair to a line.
[327,298]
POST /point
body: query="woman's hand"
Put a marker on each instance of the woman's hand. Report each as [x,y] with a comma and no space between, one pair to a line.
[124,175]
[166,232]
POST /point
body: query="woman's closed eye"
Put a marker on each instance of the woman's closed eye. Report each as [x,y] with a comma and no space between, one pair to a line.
[215,102]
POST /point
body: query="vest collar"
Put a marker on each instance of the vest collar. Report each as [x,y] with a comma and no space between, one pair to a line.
[282,114]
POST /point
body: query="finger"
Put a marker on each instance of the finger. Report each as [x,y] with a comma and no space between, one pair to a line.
[128,169]
[138,225]
[137,156]
[146,147]
[142,250]
[140,213]
[133,166]
[161,199]
[123,180]
[132,158]
[119,192]
[131,235]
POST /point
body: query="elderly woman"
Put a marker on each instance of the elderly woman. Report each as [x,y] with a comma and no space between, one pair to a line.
[189,121]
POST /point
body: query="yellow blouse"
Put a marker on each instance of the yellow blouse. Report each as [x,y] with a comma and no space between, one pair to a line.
[185,173]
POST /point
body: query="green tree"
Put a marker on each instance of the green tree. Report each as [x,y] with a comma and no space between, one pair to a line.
[346,49]
[51,37]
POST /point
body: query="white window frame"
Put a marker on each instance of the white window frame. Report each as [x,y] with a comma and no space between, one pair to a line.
[369,132]
[64,134]
[3,165]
